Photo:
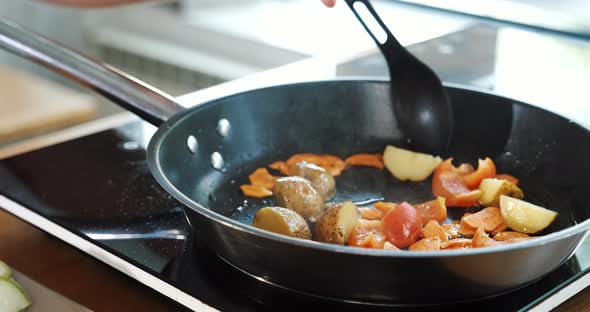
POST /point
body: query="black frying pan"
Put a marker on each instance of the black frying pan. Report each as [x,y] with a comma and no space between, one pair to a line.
[547,152]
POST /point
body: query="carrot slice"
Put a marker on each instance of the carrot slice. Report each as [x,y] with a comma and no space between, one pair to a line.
[482,239]
[333,164]
[370,213]
[367,234]
[508,235]
[452,229]
[488,218]
[280,166]
[435,231]
[384,206]
[261,177]
[507,177]
[457,243]
[255,191]
[426,244]
[464,228]
[432,210]
[367,160]
[500,228]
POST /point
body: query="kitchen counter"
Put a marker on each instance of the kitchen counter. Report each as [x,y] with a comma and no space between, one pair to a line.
[511,62]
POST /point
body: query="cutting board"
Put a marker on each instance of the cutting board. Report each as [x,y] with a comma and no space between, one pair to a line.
[32,105]
[45,299]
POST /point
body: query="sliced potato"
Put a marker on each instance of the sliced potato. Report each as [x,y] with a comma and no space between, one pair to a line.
[282,221]
[408,165]
[336,223]
[525,217]
[492,188]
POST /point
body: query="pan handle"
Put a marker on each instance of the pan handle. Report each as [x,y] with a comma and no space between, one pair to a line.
[136,96]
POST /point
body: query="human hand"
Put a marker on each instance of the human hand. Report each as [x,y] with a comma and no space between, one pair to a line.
[329,3]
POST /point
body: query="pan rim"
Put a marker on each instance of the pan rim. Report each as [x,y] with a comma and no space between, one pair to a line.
[156,170]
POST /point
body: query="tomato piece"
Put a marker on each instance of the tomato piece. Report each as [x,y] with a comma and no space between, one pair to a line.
[426,244]
[367,160]
[402,225]
[432,210]
[507,177]
[485,169]
[448,182]
[369,213]
[367,234]
[489,218]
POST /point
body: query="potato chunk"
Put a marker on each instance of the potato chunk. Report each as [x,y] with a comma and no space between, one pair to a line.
[525,217]
[408,165]
[297,194]
[282,221]
[336,223]
[320,178]
[491,189]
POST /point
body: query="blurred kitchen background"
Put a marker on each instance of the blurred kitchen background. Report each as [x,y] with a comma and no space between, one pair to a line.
[187,45]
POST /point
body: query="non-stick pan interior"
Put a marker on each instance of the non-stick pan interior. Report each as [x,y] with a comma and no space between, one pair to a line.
[548,153]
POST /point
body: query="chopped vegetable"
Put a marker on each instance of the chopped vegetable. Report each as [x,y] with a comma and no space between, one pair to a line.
[366,160]
[282,221]
[452,229]
[384,206]
[464,228]
[502,227]
[488,218]
[426,244]
[482,239]
[507,235]
[485,169]
[337,223]
[319,177]
[12,296]
[507,177]
[432,210]
[408,165]
[332,163]
[402,225]
[297,194]
[367,234]
[448,182]
[255,191]
[492,188]
[261,177]
[389,246]
[435,231]
[457,243]
[280,166]
[5,270]
[525,217]
[369,213]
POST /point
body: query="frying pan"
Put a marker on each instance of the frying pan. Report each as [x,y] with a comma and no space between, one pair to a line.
[547,152]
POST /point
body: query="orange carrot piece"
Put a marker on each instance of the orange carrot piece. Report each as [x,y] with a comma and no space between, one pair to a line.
[435,231]
[280,166]
[367,160]
[333,164]
[464,228]
[507,235]
[367,234]
[482,239]
[426,244]
[384,206]
[500,228]
[369,213]
[389,246]
[452,229]
[261,177]
[255,191]
[457,243]
[432,210]
[488,218]
[508,178]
